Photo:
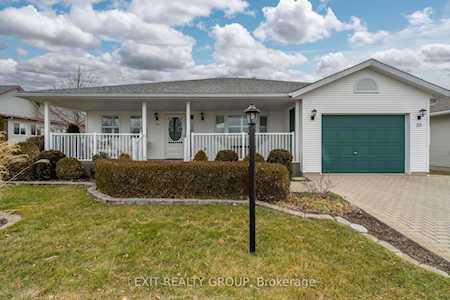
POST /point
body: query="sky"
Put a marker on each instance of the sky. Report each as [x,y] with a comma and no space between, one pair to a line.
[44,42]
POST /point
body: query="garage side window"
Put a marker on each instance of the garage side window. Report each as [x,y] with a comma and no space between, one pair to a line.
[366,86]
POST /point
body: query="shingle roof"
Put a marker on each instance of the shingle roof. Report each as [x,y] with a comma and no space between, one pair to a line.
[195,87]
[440,105]
[6,88]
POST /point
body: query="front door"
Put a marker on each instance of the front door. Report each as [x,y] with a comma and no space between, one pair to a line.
[175,137]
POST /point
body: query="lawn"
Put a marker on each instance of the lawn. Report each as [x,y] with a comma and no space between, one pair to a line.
[69,246]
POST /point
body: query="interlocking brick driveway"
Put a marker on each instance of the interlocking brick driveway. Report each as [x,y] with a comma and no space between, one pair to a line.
[416,206]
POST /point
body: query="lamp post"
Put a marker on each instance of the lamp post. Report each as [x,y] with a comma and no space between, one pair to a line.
[252,115]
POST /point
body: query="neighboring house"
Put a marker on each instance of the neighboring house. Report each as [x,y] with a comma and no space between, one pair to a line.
[440,134]
[369,118]
[21,118]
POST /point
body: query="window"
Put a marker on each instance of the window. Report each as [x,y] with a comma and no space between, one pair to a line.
[366,86]
[263,124]
[33,129]
[135,125]
[110,124]
[220,124]
[16,128]
[23,130]
[237,124]
[39,131]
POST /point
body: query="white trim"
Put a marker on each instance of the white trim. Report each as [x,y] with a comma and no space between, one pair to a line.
[440,113]
[355,86]
[144,130]
[46,126]
[382,68]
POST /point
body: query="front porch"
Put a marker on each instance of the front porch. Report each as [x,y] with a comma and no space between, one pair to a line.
[172,133]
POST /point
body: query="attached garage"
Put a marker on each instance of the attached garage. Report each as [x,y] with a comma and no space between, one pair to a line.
[363,143]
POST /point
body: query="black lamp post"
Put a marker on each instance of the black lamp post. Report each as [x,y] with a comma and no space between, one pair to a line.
[252,115]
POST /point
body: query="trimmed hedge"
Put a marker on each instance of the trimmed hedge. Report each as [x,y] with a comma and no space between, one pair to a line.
[101,155]
[31,150]
[258,158]
[69,168]
[280,156]
[174,179]
[124,156]
[46,171]
[201,156]
[227,155]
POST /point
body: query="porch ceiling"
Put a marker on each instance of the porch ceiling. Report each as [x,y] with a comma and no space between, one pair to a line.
[96,103]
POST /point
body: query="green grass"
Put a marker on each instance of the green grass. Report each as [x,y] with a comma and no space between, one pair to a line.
[69,246]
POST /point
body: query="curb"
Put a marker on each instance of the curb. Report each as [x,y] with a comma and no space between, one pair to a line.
[54,182]
[103,198]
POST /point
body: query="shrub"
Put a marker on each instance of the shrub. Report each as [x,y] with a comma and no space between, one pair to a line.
[124,156]
[45,171]
[21,170]
[227,155]
[31,150]
[201,156]
[283,157]
[73,128]
[69,168]
[101,155]
[38,141]
[258,158]
[174,179]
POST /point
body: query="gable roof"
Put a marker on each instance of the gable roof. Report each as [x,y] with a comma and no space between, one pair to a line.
[211,86]
[8,88]
[380,67]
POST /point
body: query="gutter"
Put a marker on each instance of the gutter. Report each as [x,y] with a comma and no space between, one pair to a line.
[151,96]
[440,113]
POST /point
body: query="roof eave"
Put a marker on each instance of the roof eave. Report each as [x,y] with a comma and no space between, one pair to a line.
[41,96]
[405,77]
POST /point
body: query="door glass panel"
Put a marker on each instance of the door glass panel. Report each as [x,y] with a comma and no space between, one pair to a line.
[175,128]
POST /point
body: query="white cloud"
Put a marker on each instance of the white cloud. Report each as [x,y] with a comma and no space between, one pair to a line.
[7,66]
[120,25]
[332,63]
[406,59]
[151,57]
[43,30]
[362,36]
[420,17]
[436,53]
[297,22]
[177,12]
[237,49]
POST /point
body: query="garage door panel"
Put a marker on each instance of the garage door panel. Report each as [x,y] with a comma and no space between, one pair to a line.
[363,144]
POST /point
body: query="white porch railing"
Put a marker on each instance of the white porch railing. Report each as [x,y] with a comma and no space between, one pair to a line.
[212,143]
[84,146]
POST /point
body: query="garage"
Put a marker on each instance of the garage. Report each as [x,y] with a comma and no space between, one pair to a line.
[363,143]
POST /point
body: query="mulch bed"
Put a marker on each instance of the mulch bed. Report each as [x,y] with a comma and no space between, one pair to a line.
[335,206]
[385,233]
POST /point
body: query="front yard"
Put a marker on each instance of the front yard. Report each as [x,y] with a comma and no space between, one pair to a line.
[69,246]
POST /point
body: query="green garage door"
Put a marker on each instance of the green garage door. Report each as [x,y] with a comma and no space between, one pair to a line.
[363,144]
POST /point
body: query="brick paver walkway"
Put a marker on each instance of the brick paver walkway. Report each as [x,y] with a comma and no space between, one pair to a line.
[416,206]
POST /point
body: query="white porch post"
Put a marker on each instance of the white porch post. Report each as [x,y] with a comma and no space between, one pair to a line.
[188,131]
[298,129]
[46,126]
[144,130]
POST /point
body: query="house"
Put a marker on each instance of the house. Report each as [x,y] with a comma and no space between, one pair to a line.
[21,119]
[440,134]
[370,118]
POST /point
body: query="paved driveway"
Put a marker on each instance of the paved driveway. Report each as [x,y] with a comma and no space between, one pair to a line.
[417,206]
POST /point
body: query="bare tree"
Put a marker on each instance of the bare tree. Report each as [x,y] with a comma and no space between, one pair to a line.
[80,78]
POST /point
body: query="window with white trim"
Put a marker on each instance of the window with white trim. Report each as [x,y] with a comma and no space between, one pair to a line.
[220,124]
[110,124]
[16,129]
[263,124]
[366,86]
[33,129]
[135,124]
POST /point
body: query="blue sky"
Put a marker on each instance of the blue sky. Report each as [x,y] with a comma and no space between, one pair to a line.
[122,41]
